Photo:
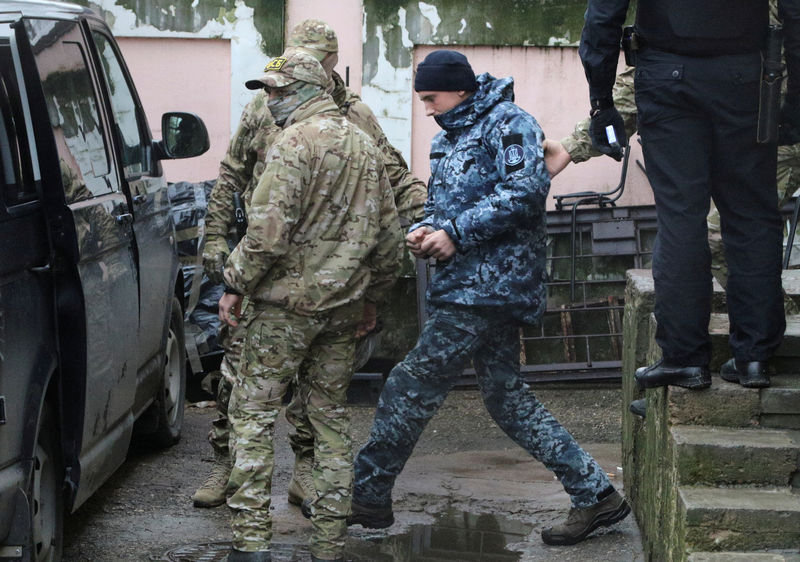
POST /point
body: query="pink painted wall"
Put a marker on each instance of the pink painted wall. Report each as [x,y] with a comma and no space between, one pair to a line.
[184,75]
[550,85]
[345,17]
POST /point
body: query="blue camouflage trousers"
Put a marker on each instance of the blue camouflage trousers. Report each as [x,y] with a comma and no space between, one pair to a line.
[418,385]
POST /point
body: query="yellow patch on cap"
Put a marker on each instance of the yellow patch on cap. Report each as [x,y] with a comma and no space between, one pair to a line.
[275,64]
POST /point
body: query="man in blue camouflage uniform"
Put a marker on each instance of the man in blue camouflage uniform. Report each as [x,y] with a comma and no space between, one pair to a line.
[485,225]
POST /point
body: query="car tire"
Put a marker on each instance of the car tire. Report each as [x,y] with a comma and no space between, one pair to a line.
[170,401]
[46,496]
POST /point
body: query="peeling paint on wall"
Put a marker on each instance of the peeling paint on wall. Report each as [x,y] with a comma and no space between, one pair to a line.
[500,23]
[255,29]
[431,14]
[388,91]
[194,16]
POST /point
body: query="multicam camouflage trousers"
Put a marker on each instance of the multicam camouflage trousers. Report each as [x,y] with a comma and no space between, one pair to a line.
[279,345]
[418,385]
[301,440]
[788,181]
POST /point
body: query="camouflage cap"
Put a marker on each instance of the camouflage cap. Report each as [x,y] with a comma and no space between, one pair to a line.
[291,66]
[314,34]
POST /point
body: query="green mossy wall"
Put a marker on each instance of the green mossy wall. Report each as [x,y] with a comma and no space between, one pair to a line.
[183,15]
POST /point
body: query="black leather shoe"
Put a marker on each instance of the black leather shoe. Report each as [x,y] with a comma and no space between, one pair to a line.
[639,407]
[750,374]
[659,374]
[371,517]
[242,556]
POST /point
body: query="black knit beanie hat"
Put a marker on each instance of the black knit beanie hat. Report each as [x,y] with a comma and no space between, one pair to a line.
[445,71]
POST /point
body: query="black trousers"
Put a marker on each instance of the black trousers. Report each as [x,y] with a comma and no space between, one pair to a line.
[697,121]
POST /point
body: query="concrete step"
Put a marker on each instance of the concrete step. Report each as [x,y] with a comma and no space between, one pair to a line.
[744,557]
[787,356]
[731,405]
[739,519]
[724,456]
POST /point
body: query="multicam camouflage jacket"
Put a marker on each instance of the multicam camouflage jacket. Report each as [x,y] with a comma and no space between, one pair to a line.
[487,190]
[244,163]
[239,170]
[409,192]
[323,229]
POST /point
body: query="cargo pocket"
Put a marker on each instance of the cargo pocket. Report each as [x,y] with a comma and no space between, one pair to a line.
[655,87]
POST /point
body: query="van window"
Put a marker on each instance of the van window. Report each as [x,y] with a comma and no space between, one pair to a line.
[129,125]
[15,164]
[72,107]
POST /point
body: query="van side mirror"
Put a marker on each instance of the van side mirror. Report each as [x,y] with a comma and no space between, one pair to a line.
[185,136]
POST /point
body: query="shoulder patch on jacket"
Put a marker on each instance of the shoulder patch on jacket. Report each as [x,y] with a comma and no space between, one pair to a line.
[513,153]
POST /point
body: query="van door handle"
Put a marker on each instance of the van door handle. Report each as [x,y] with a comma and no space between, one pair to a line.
[139,199]
[124,218]
[40,268]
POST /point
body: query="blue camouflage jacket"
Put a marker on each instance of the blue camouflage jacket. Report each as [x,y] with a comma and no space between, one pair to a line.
[487,190]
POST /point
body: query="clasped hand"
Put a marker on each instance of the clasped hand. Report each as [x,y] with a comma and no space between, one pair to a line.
[428,243]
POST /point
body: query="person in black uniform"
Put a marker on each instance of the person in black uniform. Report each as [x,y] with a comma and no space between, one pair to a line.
[697,93]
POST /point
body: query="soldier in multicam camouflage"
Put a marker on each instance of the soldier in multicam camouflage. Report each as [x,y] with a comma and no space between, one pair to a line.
[485,226]
[322,248]
[239,173]
[318,39]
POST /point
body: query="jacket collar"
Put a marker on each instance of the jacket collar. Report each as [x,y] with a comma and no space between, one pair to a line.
[490,92]
[318,104]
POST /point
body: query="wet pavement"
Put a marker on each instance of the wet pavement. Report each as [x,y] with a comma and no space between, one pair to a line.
[466,494]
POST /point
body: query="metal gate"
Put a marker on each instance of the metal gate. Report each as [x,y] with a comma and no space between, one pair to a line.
[580,336]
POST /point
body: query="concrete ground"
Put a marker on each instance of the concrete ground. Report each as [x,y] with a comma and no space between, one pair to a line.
[467,493]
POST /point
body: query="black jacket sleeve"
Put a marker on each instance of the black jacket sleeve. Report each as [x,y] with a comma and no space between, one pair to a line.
[600,44]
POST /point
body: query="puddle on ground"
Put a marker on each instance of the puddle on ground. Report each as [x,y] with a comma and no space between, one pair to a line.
[455,535]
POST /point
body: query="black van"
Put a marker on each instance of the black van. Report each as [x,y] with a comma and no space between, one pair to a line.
[91,321]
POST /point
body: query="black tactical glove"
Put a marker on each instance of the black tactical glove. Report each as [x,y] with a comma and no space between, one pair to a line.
[602,118]
[789,120]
